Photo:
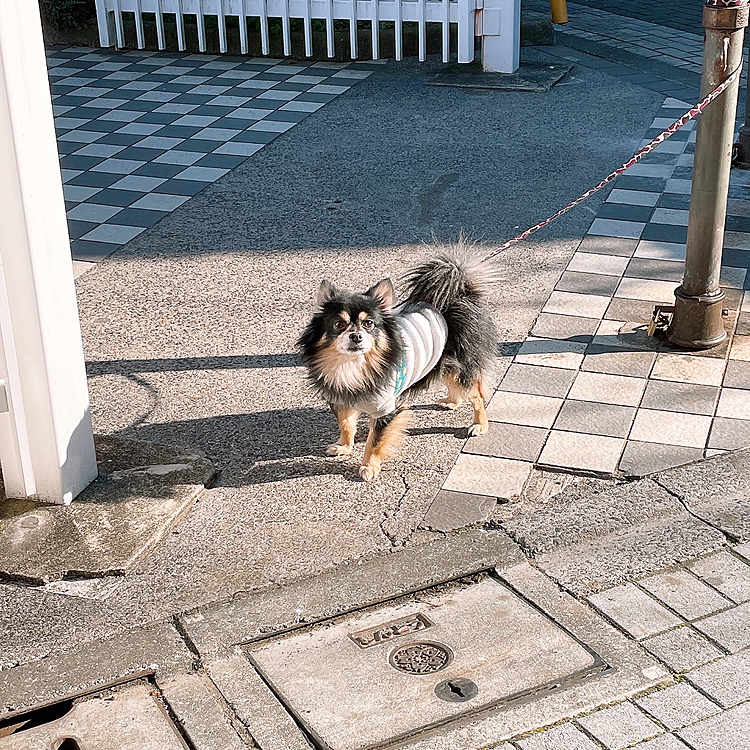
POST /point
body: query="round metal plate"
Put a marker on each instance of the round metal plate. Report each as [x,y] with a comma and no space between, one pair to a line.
[457,690]
[421,658]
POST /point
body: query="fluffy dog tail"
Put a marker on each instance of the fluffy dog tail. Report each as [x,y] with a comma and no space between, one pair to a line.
[457,273]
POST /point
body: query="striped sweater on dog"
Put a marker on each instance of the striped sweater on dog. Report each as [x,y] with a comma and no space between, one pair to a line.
[424,334]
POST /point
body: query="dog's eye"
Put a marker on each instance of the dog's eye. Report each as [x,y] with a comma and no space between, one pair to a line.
[339,325]
[367,324]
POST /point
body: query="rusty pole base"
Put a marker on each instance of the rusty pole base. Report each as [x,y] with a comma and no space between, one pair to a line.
[697,322]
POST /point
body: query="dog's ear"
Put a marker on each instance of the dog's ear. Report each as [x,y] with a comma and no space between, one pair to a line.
[383,293]
[326,291]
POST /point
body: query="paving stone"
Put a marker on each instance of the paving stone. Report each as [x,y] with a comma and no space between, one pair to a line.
[737,374]
[617,228]
[646,289]
[744,551]
[563,737]
[541,381]
[688,369]
[564,327]
[518,442]
[595,418]
[454,510]
[634,611]
[608,245]
[484,475]
[677,706]
[620,726]
[607,389]
[651,268]
[662,742]
[570,303]
[523,409]
[639,459]
[724,680]
[734,403]
[725,572]
[671,428]
[587,283]
[635,310]
[730,729]
[685,594]
[730,629]
[574,450]
[551,353]
[669,395]
[597,263]
[660,250]
[729,434]
[618,361]
[682,649]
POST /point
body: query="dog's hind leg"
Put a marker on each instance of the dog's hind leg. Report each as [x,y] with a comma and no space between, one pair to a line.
[456,393]
[477,397]
[347,419]
[385,435]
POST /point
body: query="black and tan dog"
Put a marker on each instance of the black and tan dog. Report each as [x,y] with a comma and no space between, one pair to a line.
[366,355]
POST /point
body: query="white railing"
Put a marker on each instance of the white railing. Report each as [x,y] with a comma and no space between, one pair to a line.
[444,12]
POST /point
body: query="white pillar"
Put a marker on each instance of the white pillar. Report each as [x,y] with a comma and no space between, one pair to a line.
[501,36]
[46,442]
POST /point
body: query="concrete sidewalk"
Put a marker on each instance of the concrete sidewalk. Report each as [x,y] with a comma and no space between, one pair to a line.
[189,332]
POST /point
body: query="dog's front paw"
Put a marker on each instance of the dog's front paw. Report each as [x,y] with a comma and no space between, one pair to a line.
[339,450]
[478,429]
[368,473]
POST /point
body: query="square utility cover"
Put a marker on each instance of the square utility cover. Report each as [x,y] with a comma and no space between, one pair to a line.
[374,677]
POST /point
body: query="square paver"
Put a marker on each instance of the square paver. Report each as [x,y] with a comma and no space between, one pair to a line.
[740,349]
[617,361]
[689,368]
[646,289]
[485,475]
[609,265]
[620,726]
[634,611]
[662,742]
[639,459]
[730,629]
[570,303]
[725,572]
[575,450]
[737,374]
[670,428]
[724,680]
[682,649]
[454,510]
[660,270]
[518,442]
[595,418]
[542,381]
[685,594]
[617,228]
[551,353]
[587,283]
[677,706]
[633,197]
[734,403]
[561,327]
[660,250]
[603,245]
[523,409]
[633,310]
[669,395]
[730,729]
[608,389]
[563,737]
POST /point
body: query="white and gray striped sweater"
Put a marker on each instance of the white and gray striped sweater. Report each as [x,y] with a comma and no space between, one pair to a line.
[424,334]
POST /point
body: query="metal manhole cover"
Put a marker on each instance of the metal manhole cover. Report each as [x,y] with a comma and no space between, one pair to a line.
[368,680]
[421,658]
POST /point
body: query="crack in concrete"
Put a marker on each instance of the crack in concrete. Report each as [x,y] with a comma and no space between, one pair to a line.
[728,535]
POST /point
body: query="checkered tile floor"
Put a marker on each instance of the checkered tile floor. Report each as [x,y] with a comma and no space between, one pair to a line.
[139,133]
[588,391]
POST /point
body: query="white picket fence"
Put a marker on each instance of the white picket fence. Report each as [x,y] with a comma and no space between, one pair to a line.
[445,12]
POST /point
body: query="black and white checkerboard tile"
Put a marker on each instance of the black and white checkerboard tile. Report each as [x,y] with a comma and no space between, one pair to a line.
[139,133]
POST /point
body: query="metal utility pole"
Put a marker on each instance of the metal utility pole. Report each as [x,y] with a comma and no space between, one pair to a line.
[697,321]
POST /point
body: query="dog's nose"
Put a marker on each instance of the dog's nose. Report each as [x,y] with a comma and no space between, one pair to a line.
[355,337]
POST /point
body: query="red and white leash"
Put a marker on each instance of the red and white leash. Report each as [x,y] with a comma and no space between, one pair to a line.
[648,148]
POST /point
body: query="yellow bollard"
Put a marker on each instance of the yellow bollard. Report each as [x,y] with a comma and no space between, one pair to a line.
[559,11]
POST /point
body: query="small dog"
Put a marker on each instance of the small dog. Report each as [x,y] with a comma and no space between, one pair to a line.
[365,355]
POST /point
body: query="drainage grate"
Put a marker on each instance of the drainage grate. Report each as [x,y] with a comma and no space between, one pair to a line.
[368,680]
